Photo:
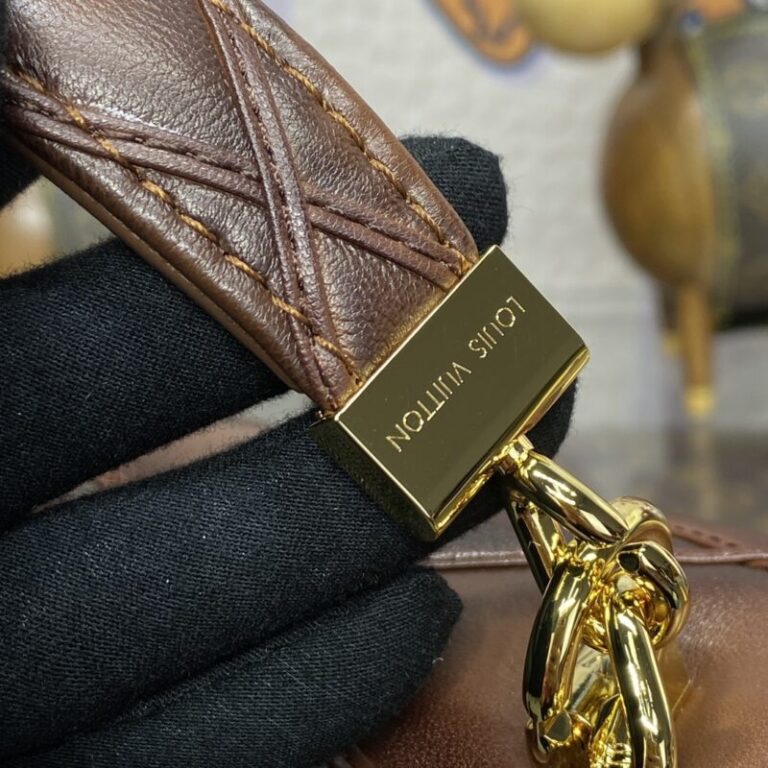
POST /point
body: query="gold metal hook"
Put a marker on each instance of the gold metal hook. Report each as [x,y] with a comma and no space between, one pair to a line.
[448,410]
[613,593]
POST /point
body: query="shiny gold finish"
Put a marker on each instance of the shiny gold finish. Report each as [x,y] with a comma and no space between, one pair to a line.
[561,495]
[450,407]
[614,596]
[426,431]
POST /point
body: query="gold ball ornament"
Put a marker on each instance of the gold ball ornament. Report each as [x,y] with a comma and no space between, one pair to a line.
[590,26]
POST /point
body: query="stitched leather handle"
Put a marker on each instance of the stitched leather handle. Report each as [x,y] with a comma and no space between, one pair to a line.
[227,152]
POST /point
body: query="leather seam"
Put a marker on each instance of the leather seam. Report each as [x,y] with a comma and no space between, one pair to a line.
[515,558]
[135,138]
[191,222]
[704,538]
[233,167]
[338,117]
[285,215]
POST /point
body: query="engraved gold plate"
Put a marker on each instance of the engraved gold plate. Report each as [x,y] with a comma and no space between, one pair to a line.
[427,430]
[450,407]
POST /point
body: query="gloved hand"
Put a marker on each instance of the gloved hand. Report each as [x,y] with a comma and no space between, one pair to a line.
[253,609]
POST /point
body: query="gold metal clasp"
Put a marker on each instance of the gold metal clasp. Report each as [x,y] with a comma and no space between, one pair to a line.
[614,601]
[428,429]
[449,409]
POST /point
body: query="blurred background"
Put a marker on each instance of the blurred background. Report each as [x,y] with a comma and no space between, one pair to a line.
[634,139]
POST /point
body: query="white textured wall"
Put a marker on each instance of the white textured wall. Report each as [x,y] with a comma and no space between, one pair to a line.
[546,119]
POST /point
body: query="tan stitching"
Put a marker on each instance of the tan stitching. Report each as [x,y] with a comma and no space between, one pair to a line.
[698,536]
[283,305]
[135,138]
[288,224]
[229,165]
[342,120]
[195,224]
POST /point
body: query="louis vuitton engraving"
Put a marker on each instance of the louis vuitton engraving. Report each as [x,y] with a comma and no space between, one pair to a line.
[423,433]
[443,387]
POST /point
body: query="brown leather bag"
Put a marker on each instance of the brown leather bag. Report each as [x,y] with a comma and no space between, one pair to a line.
[470,713]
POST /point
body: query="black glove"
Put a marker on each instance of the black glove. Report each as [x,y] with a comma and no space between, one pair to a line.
[253,609]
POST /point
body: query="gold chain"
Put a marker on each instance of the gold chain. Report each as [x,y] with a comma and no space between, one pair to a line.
[614,599]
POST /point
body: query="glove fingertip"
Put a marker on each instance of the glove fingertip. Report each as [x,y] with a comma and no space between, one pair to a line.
[472,181]
[548,435]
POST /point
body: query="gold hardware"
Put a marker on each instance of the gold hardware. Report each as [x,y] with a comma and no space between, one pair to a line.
[614,599]
[426,430]
[447,410]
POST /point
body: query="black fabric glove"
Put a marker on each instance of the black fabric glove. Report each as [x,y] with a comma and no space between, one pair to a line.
[253,609]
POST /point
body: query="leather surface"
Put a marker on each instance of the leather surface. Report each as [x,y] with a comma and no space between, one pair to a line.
[227,152]
[470,713]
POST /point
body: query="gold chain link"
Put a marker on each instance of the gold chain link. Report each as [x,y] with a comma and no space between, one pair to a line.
[614,599]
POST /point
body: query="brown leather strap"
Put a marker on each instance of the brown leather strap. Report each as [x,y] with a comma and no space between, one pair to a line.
[223,149]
